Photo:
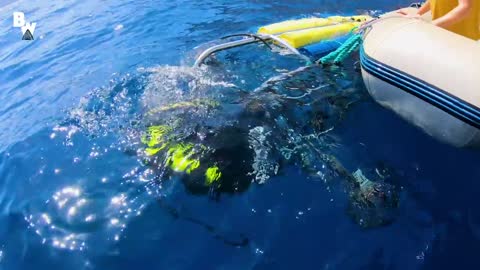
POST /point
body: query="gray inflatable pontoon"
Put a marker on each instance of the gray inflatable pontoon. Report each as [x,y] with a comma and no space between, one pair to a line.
[427,75]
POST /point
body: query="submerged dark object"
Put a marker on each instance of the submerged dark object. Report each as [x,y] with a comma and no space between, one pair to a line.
[27,35]
[372,204]
[218,161]
[230,153]
[230,149]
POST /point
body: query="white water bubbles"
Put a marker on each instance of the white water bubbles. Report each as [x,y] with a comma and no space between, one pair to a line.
[263,166]
[169,85]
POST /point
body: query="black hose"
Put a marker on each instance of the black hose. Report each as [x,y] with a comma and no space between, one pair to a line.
[239,240]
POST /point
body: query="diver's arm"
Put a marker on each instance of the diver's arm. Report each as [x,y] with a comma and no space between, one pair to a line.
[461,11]
[424,8]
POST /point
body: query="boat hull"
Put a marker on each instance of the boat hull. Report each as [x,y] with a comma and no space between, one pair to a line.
[427,75]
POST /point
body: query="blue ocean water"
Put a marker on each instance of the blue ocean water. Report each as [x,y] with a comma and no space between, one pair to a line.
[75,193]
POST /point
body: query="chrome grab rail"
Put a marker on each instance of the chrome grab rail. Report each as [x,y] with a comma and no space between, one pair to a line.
[245,41]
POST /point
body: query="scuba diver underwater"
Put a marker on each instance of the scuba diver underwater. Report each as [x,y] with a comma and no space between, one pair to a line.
[224,144]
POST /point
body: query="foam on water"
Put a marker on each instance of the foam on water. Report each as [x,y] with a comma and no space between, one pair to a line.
[263,167]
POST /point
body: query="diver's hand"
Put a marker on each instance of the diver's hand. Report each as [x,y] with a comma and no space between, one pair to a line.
[405,14]
[414,16]
[402,12]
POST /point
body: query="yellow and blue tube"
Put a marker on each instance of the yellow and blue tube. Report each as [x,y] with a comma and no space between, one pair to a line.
[323,48]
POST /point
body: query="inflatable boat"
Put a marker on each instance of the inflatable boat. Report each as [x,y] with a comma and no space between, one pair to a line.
[427,75]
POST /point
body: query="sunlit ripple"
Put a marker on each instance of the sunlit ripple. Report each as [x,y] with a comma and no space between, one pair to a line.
[74,219]
[89,214]
[69,130]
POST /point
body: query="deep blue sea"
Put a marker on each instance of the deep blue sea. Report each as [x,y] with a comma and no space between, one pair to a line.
[77,193]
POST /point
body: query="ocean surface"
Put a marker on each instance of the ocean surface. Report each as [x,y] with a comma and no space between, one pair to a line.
[78,192]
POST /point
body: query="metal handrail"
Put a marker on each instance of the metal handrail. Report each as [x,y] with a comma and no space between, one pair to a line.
[249,35]
[252,39]
[221,47]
